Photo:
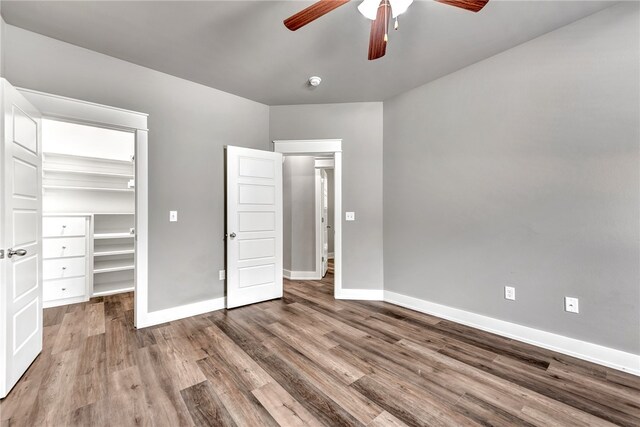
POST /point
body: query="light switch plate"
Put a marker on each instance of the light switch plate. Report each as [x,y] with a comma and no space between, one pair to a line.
[222,274]
[350,216]
[571,305]
[173,216]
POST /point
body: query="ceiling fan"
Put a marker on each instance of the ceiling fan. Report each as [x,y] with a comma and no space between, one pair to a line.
[379,11]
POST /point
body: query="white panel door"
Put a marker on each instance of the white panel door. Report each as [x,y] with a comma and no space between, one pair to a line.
[20,237]
[325,221]
[254,226]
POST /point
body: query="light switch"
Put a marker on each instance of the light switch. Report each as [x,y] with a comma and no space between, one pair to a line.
[350,216]
[173,216]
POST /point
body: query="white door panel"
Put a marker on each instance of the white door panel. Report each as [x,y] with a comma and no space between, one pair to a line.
[254,226]
[21,233]
[325,221]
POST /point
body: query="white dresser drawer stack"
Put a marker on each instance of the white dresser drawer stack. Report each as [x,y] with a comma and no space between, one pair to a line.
[64,242]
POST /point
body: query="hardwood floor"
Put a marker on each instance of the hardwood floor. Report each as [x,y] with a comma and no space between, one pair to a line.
[304,360]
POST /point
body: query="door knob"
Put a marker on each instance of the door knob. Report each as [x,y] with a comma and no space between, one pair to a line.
[232,235]
[18,252]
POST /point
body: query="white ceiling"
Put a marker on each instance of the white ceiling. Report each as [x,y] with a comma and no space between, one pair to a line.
[242,47]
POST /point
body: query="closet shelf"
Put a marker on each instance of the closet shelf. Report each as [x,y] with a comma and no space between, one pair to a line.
[66,187]
[113,265]
[113,213]
[110,288]
[89,158]
[113,250]
[92,173]
[100,236]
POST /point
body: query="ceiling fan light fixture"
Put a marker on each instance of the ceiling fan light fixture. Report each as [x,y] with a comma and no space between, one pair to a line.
[369,8]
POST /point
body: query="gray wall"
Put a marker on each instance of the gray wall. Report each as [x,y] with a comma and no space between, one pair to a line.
[299,202]
[189,125]
[359,125]
[523,170]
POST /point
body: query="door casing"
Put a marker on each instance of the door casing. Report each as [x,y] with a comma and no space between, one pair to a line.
[324,148]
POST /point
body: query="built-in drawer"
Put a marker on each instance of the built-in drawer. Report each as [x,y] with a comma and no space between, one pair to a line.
[63,268]
[65,288]
[60,226]
[58,247]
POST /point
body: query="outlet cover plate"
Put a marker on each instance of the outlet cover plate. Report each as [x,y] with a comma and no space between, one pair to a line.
[510,293]
[222,274]
[571,305]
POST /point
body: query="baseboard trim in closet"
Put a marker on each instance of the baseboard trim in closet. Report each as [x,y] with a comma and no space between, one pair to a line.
[180,312]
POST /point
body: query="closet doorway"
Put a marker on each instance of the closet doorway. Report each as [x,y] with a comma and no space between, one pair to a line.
[323,154]
[95,202]
[88,212]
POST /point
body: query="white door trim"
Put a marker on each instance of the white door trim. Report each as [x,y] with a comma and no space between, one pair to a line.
[83,112]
[312,147]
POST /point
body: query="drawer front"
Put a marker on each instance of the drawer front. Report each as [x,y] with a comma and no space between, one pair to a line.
[63,268]
[64,247]
[60,226]
[66,288]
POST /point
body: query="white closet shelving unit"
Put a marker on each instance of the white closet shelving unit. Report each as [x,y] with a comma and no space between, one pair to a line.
[113,253]
[102,190]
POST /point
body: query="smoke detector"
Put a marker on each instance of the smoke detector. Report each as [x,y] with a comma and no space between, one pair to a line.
[315,81]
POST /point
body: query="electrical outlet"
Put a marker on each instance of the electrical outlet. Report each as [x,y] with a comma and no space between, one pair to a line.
[222,275]
[510,292]
[350,216]
[173,216]
[571,305]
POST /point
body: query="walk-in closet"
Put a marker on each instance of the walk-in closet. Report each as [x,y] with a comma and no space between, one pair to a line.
[88,212]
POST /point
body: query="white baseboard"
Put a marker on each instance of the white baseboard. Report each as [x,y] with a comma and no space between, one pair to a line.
[361,294]
[595,353]
[182,311]
[300,275]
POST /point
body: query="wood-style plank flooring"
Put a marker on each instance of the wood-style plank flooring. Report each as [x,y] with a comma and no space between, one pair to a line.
[304,360]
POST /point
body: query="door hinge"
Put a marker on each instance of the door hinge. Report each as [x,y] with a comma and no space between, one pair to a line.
[322,219]
[1,253]
[322,259]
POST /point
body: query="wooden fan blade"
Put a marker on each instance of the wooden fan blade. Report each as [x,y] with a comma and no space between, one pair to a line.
[377,42]
[312,13]
[472,5]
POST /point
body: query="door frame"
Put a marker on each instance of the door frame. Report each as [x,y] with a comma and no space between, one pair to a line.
[324,148]
[88,113]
